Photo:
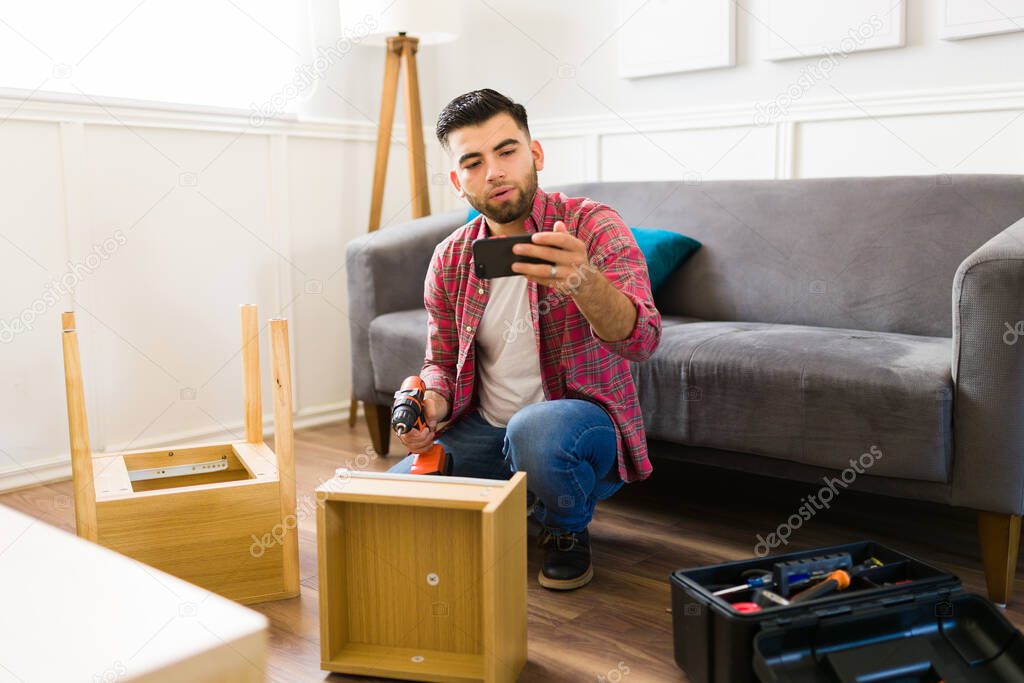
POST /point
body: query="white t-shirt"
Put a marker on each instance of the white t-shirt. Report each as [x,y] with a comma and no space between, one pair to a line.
[508,361]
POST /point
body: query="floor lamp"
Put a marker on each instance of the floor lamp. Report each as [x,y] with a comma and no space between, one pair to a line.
[402,26]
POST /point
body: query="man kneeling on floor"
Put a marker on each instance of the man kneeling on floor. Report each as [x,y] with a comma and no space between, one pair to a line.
[531,372]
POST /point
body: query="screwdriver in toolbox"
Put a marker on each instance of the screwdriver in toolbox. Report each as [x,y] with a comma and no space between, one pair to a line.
[836,581]
[757,582]
[768,581]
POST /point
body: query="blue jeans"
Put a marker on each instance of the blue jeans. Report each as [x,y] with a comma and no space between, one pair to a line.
[567,448]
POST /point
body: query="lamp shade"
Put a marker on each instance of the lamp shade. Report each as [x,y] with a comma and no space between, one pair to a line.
[432,22]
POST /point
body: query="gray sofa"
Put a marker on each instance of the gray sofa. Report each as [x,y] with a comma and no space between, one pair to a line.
[815,324]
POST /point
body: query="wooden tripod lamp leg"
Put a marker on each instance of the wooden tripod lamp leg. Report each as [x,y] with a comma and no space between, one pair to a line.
[78,428]
[414,131]
[251,374]
[67,321]
[389,95]
[284,447]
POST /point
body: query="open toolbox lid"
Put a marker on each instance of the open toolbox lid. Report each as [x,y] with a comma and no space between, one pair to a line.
[923,637]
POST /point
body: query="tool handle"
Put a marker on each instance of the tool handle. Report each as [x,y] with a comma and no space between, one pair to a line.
[792,573]
[837,580]
[434,460]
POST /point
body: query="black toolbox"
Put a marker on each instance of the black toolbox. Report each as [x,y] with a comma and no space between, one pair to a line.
[902,622]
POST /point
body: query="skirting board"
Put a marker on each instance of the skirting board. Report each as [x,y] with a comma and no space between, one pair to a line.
[59,469]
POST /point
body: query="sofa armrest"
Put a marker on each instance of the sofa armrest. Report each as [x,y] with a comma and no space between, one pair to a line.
[386,270]
[988,376]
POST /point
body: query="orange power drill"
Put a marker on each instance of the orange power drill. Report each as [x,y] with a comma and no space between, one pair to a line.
[407,415]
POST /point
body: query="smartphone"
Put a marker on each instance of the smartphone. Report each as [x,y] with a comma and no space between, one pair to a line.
[493,257]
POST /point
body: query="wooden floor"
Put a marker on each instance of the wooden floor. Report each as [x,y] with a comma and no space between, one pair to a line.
[618,627]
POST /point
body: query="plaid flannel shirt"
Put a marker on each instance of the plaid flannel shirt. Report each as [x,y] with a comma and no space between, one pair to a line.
[574,361]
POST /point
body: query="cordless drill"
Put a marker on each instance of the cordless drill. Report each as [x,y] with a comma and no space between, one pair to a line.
[408,414]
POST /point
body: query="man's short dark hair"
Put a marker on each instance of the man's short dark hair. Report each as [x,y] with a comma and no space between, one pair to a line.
[475,107]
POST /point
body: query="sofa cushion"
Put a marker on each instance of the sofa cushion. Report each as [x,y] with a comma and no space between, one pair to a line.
[398,343]
[664,251]
[819,396]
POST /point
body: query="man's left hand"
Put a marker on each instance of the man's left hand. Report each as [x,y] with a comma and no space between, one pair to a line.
[568,254]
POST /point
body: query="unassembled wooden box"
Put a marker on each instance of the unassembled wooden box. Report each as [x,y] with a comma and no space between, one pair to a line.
[422,577]
[221,516]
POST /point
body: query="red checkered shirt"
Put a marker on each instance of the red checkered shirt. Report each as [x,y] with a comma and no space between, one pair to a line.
[574,361]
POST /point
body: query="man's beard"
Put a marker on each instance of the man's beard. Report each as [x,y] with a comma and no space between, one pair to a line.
[506,212]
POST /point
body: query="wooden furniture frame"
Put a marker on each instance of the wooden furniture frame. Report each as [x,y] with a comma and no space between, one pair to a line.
[221,516]
[401,49]
[422,577]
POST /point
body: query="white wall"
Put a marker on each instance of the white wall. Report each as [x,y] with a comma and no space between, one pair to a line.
[520,51]
[273,205]
[932,107]
[193,213]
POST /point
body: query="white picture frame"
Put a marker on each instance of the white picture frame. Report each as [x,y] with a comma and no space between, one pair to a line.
[963,19]
[808,28]
[672,36]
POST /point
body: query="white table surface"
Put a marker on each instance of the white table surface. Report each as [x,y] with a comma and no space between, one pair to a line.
[71,610]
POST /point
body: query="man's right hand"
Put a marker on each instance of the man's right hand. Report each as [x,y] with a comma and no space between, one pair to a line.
[435,408]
